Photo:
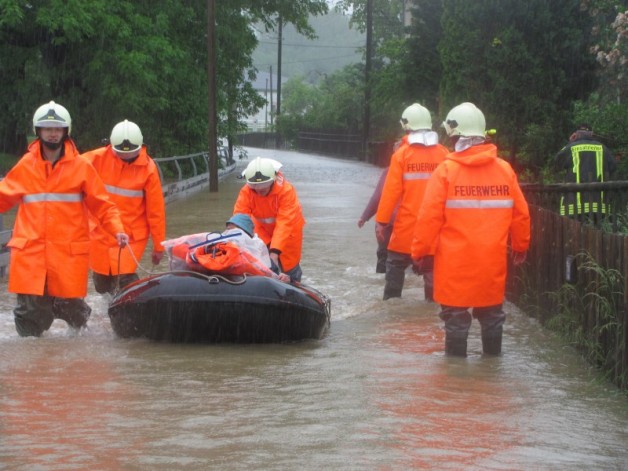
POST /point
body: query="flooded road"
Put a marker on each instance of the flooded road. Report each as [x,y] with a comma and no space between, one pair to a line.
[376,393]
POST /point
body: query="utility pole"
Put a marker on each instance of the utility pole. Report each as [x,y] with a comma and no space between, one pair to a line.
[367,78]
[280,27]
[266,108]
[271,96]
[211,86]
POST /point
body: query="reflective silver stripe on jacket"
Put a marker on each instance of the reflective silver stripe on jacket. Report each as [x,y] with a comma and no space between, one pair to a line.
[53,197]
[479,204]
[115,190]
[417,176]
[267,220]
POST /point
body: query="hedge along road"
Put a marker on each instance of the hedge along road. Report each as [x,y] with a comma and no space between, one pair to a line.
[376,392]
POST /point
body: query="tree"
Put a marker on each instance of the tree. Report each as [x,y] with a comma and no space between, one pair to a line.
[610,47]
[387,17]
[341,101]
[299,98]
[423,71]
[522,63]
[606,110]
[106,60]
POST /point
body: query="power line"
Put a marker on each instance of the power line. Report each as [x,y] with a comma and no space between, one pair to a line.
[313,45]
[309,60]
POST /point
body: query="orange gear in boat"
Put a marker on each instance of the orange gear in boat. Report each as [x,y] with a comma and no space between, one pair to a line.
[225,258]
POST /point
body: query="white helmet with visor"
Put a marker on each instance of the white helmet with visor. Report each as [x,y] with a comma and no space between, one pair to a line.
[52,115]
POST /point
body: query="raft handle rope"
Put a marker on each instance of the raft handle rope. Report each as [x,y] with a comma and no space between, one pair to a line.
[214,278]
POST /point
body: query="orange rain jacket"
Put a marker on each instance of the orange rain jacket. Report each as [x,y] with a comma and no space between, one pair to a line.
[50,243]
[472,203]
[278,219]
[136,190]
[410,168]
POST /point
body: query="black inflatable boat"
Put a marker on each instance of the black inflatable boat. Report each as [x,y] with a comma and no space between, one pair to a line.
[199,308]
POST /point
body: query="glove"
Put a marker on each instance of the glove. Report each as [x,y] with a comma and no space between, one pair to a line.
[423,265]
[122,239]
[519,257]
[156,257]
[380,232]
[418,265]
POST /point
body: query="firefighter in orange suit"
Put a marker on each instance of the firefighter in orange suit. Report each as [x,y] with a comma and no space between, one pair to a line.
[132,181]
[410,168]
[54,189]
[472,205]
[273,204]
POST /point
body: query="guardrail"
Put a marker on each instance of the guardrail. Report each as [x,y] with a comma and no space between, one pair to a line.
[184,175]
[181,176]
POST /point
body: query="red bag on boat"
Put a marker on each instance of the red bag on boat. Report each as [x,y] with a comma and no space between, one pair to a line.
[226,258]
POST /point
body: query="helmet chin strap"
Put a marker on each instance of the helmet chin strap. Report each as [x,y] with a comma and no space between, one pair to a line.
[52,145]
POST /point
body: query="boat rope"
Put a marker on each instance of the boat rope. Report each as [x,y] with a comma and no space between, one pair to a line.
[137,262]
[213,277]
[117,290]
[210,278]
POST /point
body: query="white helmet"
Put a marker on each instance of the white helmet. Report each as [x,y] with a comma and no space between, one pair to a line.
[260,171]
[465,120]
[126,137]
[416,117]
[52,115]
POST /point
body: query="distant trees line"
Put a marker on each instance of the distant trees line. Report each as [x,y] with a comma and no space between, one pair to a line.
[536,68]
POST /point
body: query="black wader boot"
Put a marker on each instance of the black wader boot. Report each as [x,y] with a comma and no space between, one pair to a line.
[396,265]
[112,283]
[75,311]
[382,253]
[492,343]
[457,323]
[33,315]
[492,320]
[455,346]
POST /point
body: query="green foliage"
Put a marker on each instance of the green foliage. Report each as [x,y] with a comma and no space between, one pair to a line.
[7,161]
[609,123]
[387,17]
[388,95]
[610,47]
[523,68]
[589,316]
[335,103]
[108,60]
[525,64]
[298,98]
[405,64]
[340,102]
[539,142]
[422,67]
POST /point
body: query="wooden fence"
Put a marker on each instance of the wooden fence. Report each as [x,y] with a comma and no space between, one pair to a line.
[565,275]
[331,143]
